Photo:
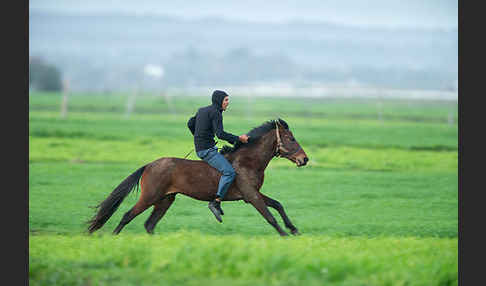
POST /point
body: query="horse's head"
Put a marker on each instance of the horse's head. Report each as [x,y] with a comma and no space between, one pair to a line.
[288,147]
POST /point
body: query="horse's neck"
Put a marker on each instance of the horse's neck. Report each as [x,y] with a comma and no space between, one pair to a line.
[260,152]
[268,148]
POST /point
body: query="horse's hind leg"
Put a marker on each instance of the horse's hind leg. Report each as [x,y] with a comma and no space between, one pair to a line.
[137,209]
[276,205]
[159,211]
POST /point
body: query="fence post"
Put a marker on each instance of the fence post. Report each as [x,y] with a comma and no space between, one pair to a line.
[65,99]
[131,102]
[168,100]
[450,117]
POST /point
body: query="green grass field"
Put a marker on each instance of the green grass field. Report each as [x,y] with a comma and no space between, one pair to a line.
[377,203]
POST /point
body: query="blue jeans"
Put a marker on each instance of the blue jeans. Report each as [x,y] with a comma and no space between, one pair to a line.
[218,161]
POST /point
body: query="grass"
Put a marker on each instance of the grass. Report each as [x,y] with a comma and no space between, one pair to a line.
[324,108]
[332,202]
[376,205]
[191,258]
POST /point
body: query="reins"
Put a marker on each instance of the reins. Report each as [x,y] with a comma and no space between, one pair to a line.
[188,153]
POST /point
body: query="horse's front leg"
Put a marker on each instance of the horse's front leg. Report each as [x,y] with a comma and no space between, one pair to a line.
[257,201]
[247,183]
[278,206]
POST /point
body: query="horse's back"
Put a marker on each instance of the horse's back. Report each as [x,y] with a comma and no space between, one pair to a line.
[182,169]
[165,162]
[194,178]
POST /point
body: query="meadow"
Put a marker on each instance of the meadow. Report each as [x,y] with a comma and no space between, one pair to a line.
[377,203]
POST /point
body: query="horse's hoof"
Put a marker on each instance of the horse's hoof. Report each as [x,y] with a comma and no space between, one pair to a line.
[295,232]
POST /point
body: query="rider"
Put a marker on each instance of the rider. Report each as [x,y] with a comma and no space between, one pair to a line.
[207,122]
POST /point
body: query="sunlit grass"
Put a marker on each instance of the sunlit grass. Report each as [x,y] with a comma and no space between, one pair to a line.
[185,258]
[145,150]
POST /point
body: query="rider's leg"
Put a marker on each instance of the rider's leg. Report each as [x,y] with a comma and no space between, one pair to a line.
[218,161]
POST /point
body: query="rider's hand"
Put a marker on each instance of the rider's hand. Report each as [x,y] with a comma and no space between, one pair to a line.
[244,138]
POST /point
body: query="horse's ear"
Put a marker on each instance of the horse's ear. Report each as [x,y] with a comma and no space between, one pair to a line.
[282,123]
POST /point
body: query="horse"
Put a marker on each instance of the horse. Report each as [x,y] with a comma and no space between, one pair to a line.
[161,180]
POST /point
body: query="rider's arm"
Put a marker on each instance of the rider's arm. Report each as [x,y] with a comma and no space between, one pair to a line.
[217,122]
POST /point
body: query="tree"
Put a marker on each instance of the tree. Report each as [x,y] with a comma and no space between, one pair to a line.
[43,76]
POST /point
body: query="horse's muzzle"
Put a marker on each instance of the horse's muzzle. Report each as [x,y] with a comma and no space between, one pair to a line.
[301,160]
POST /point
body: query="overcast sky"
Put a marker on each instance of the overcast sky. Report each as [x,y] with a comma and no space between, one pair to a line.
[383,13]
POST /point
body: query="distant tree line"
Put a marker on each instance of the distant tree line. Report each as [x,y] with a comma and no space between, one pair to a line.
[239,66]
[44,76]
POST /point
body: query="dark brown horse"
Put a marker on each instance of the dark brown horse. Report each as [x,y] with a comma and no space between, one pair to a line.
[162,179]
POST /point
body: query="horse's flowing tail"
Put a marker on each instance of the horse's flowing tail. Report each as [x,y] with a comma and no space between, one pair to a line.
[107,207]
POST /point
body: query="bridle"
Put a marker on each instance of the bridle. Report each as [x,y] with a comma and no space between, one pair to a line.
[280,150]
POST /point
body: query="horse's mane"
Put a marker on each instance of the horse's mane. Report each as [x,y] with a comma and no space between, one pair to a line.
[254,135]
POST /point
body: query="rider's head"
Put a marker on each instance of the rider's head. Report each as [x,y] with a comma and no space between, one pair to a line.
[220,99]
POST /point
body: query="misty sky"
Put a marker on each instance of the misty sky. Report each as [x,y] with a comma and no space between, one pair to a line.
[383,13]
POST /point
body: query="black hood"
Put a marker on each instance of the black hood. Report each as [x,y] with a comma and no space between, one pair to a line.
[218,96]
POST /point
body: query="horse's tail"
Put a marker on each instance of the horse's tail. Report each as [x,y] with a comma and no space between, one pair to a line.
[107,207]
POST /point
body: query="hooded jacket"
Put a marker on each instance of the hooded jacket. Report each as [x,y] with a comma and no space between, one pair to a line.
[208,122]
